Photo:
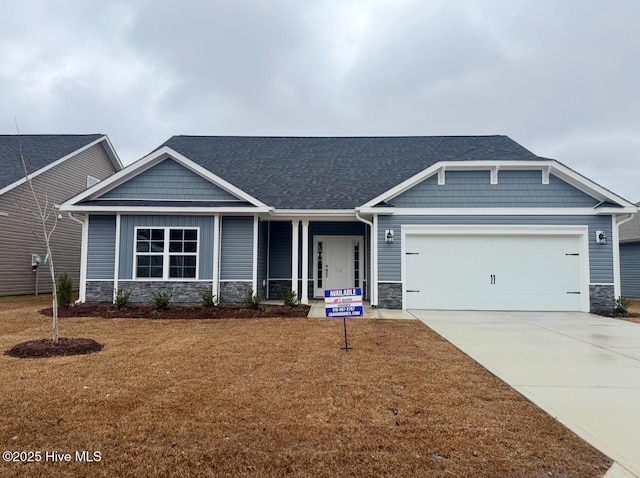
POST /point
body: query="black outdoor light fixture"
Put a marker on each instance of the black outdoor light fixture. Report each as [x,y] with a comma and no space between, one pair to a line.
[388,235]
[601,237]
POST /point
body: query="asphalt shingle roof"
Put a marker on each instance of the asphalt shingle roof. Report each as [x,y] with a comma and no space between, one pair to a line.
[630,230]
[333,172]
[39,150]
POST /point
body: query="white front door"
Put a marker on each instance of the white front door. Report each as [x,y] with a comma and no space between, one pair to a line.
[338,263]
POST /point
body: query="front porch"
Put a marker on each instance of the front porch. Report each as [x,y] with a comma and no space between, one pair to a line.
[308,257]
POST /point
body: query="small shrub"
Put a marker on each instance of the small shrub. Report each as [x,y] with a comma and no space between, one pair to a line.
[65,290]
[622,306]
[291,299]
[252,301]
[160,300]
[209,299]
[122,299]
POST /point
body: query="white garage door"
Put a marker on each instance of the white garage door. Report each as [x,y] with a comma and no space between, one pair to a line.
[494,272]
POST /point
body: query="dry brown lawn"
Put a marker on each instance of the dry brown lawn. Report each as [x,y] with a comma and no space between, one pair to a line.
[270,398]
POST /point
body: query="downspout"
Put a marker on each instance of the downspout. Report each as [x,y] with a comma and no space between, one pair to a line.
[82,287]
[373,277]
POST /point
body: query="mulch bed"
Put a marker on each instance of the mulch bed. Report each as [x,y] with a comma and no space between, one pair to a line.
[46,348]
[107,310]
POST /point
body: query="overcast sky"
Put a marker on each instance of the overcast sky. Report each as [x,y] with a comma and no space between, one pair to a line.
[561,77]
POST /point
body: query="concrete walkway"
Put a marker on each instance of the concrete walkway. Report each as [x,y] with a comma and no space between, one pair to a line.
[582,369]
[317,310]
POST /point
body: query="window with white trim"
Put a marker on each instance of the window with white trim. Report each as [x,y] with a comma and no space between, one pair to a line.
[166,253]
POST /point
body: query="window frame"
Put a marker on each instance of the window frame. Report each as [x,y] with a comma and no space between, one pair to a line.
[166,254]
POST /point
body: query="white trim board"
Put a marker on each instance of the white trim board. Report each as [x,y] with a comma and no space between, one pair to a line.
[153,159]
[545,166]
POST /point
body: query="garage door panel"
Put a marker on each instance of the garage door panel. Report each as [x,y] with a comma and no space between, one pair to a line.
[490,272]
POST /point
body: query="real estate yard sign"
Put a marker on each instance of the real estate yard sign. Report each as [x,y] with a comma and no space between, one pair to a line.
[343,302]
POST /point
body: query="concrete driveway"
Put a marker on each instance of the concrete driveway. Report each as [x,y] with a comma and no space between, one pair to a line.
[582,369]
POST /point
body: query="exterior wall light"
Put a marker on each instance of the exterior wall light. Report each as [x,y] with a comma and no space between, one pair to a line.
[388,235]
[601,237]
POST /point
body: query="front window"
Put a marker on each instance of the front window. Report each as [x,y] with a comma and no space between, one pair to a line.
[166,253]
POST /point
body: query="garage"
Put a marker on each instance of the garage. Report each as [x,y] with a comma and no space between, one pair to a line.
[495,268]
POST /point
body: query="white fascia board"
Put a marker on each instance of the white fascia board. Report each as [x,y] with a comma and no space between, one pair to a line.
[151,160]
[545,165]
[110,152]
[513,211]
[314,214]
[164,210]
[113,155]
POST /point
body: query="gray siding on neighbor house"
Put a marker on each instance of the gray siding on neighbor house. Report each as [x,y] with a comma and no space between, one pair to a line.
[280,250]
[473,189]
[128,223]
[101,252]
[630,269]
[17,243]
[236,256]
[600,256]
[170,181]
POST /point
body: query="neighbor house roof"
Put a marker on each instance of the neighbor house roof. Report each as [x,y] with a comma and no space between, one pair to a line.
[332,172]
[41,151]
[630,230]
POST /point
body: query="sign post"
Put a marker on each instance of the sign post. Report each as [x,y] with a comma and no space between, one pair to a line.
[343,303]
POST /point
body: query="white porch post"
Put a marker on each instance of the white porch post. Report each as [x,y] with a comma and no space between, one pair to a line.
[215,280]
[305,262]
[116,265]
[255,255]
[83,260]
[295,226]
[374,262]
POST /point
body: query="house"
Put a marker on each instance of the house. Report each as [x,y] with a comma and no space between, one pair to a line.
[469,222]
[630,257]
[60,166]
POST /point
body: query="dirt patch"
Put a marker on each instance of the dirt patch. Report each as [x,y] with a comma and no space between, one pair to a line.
[107,310]
[46,348]
[629,316]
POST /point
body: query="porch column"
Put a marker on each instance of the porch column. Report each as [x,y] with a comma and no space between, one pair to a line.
[305,262]
[295,227]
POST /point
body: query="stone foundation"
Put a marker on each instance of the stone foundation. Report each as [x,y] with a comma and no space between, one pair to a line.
[389,295]
[601,297]
[181,292]
[99,291]
[234,292]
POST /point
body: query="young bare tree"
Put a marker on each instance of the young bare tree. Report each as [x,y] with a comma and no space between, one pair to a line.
[45,218]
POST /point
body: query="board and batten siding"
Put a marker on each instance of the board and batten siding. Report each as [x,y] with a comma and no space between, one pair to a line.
[630,269]
[263,241]
[600,256]
[474,189]
[169,180]
[236,249]
[17,243]
[279,250]
[101,247]
[128,223]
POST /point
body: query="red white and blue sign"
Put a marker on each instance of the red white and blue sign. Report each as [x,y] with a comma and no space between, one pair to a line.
[343,303]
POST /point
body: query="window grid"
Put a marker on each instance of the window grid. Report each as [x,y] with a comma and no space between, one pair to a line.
[166,253]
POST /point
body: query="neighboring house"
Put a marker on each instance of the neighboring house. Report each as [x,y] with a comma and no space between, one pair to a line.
[60,166]
[630,257]
[475,222]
